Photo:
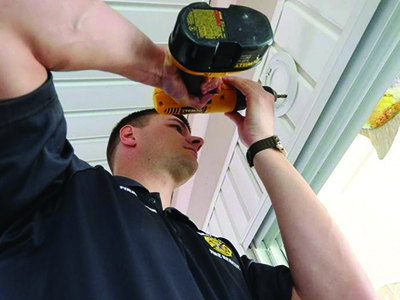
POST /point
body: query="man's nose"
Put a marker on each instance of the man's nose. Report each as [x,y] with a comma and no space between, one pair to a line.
[196,141]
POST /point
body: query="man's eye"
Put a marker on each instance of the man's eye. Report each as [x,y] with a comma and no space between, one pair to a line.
[179,128]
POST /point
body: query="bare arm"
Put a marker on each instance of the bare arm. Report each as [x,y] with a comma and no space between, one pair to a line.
[71,35]
[321,262]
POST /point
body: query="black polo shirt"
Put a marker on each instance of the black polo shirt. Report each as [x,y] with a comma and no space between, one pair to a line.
[72,231]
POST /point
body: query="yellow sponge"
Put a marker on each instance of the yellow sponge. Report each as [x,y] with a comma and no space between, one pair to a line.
[386,109]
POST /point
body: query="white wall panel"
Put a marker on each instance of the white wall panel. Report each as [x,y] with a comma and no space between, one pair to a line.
[156,21]
[214,228]
[338,11]
[101,95]
[239,199]
[90,125]
[304,92]
[90,149]
[226,224]
[256,182]
[285,129]
[309,39]
[234,204]
[327,49]
[245,182]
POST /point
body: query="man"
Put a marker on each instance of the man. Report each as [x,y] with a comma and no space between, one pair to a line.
[71,231]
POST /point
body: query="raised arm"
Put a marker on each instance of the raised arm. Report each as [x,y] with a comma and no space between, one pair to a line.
[77,35]
[321,262]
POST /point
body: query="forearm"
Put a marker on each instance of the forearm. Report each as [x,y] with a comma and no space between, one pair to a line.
[86,34]
[321,262]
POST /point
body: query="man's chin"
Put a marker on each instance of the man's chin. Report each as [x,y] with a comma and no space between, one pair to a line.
[191,161]
[185,169]
[192,167]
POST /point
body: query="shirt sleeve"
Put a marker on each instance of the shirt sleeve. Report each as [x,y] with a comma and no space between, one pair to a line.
[267,282]
[34,152]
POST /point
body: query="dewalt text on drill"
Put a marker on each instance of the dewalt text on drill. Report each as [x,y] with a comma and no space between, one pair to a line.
[213,42]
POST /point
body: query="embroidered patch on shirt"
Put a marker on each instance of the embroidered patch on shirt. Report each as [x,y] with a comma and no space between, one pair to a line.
[219,249]
[218,246]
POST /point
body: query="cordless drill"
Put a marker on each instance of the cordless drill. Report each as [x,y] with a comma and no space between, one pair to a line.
[213,42]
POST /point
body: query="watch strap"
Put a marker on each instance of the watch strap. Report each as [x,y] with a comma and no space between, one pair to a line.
[271,142]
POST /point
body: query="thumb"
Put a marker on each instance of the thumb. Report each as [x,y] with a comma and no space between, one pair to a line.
[235,117]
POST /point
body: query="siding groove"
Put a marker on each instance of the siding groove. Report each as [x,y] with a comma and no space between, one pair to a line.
[235,207]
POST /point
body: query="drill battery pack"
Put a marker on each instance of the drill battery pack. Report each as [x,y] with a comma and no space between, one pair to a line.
[210,41]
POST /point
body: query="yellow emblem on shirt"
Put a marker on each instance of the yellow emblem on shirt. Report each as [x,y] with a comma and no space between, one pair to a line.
[218,246]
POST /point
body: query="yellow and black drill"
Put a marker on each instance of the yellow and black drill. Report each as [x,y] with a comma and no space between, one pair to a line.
[214,42]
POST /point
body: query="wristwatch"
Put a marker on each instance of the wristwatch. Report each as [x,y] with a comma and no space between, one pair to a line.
[271,142]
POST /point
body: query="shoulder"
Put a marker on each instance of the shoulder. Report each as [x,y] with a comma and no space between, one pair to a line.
[82,173]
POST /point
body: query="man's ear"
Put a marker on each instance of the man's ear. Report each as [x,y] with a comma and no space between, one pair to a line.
[127,136]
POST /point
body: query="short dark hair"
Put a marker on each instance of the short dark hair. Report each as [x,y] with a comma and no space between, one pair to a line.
[139,119]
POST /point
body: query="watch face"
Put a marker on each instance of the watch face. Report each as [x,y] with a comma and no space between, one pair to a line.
[279,146]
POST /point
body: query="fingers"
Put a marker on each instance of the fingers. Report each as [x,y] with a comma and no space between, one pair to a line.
[199,102]
[190,100]
[246,86]
[243,85]
[211,84]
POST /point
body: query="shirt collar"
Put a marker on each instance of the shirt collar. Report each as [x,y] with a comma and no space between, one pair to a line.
[128,182]
[141,190]
[171,212]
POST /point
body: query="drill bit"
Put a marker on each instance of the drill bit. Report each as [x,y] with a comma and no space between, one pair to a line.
[273,92]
